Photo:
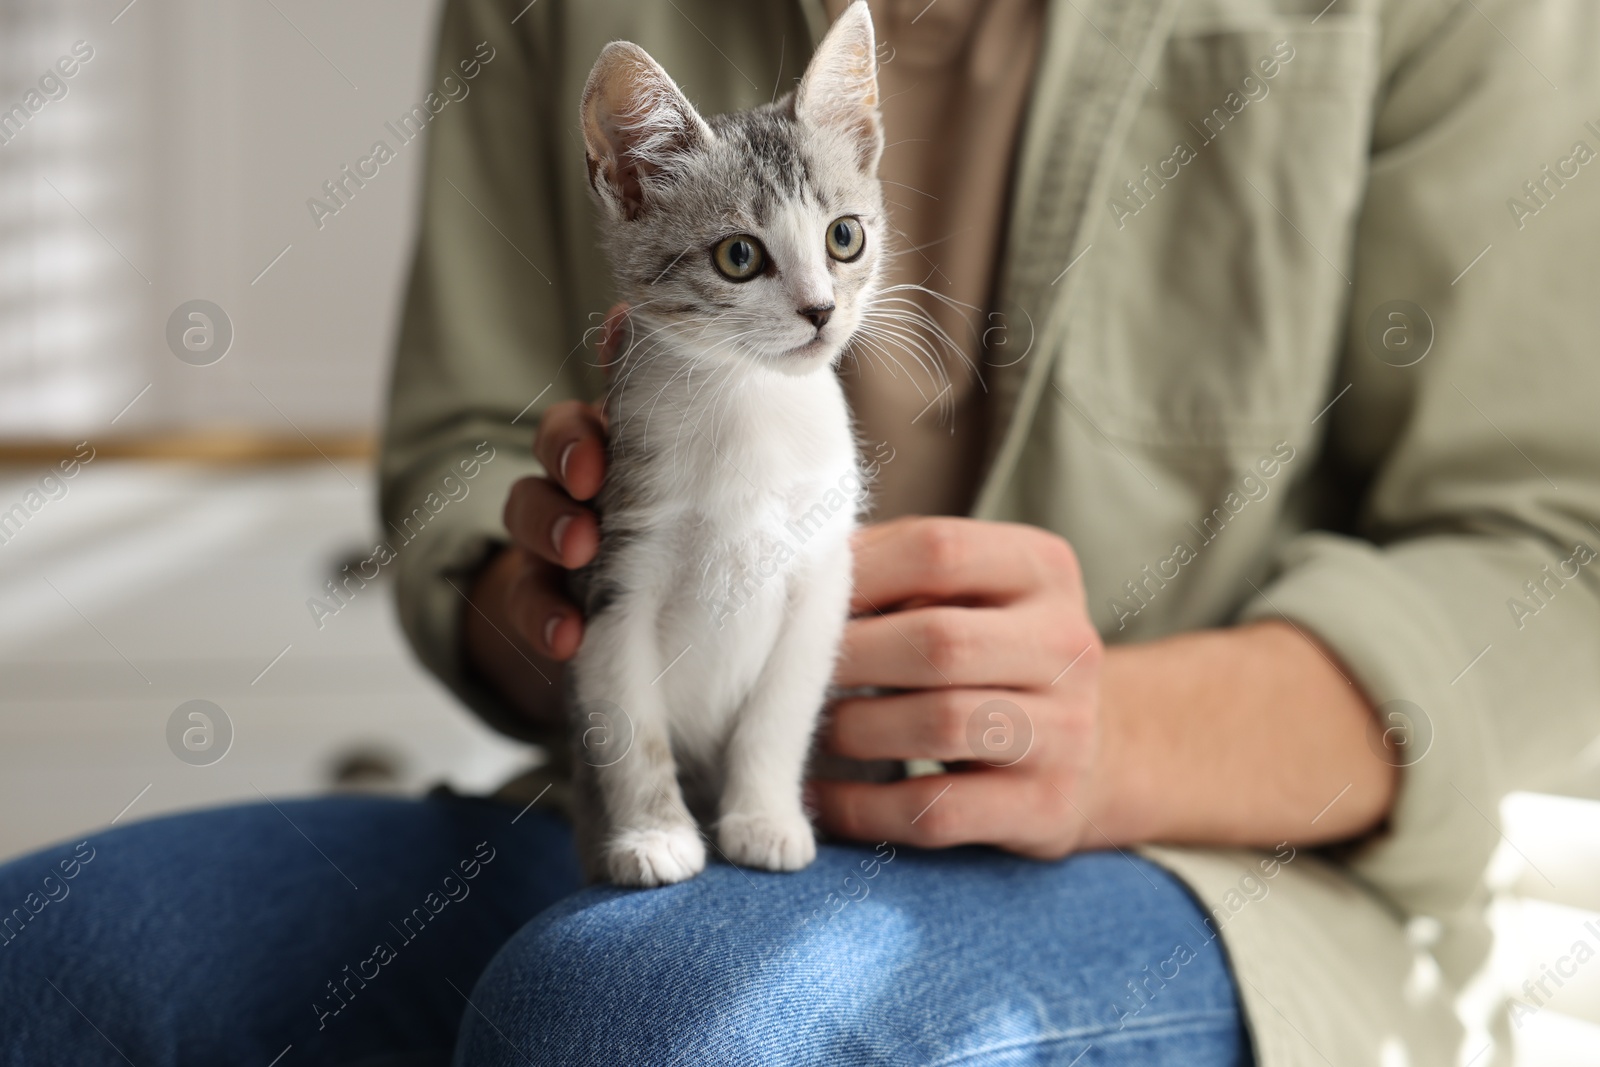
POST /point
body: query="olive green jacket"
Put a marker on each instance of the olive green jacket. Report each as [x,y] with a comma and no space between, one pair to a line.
[1296,319]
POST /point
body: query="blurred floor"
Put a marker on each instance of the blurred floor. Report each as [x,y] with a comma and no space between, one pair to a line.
[151,584]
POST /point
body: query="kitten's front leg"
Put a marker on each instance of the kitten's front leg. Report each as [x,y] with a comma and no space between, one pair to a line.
[763,823]
[645,835]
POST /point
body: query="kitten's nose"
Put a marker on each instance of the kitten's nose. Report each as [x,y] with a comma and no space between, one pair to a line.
[818,314]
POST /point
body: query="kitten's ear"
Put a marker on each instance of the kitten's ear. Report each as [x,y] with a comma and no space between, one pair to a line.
[637,125]
[839,90]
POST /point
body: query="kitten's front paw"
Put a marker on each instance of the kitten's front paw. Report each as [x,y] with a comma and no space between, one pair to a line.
[771,842]
[654,857]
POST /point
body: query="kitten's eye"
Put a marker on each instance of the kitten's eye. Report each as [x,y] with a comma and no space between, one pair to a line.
[739,257]
[846,238]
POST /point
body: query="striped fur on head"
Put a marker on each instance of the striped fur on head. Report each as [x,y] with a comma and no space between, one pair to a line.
[671,185]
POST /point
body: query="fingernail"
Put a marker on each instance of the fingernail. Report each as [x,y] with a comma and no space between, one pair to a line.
[561,465]
[558,532]
[550,630]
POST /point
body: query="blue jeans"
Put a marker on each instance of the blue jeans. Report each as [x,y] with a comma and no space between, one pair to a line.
[372,932]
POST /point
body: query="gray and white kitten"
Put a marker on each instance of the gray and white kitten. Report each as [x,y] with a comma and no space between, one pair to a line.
[749,248]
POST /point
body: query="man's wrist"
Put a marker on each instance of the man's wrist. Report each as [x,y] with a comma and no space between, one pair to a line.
[1116,793]
[1233,737]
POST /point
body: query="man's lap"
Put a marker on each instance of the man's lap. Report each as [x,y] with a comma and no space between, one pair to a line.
[870,956]
[213,937]
[348,928]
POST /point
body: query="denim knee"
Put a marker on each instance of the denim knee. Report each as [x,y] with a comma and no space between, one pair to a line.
[641,977]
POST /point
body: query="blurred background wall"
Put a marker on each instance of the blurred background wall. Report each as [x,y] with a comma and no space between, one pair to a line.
[177,167]
[215,484]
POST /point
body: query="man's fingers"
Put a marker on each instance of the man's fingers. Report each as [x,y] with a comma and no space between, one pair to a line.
[937,811]
[544,617]
[955,560]
[943,724]
[1012,648]
[544,521]
[571,443]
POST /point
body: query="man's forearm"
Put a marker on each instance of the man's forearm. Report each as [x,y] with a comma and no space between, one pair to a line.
[1246,736]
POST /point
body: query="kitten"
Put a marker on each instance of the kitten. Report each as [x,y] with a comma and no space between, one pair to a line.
[749,247]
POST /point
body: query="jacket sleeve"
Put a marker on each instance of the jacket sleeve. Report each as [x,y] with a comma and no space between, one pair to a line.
[487,339]
[1464,601]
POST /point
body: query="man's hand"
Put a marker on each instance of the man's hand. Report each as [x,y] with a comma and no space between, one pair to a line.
[552,530]
[1246,736]
[522,623]
[983,627]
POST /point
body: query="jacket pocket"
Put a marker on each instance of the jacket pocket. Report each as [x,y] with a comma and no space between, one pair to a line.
[1214,307]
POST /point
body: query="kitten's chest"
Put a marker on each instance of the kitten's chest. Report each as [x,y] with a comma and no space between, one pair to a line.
[758,544]
[758,466]
[736,485]
[735,434]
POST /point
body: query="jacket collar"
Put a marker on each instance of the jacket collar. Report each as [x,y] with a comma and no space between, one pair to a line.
[1098,60]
